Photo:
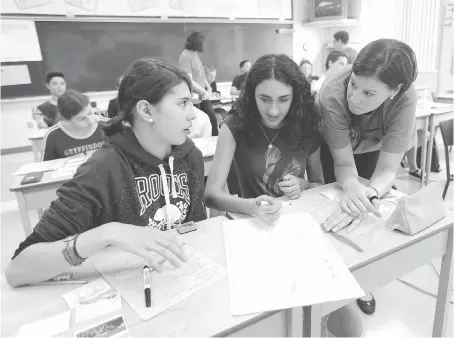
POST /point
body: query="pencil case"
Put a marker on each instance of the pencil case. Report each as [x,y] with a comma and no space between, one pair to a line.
[418,211]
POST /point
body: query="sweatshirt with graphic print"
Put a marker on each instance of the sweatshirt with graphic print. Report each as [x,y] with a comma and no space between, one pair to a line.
[121,182]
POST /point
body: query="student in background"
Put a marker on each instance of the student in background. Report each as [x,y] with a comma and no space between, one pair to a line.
[210,73]
[368,118]
[272,137]
[201,126]
[146,179]
[334,61]
[112,109]
[238,81]
[340,43]
[190,62]
[48,112]
[306,69]
[77,132]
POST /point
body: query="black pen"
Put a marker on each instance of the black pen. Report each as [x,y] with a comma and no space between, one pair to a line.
[146,285]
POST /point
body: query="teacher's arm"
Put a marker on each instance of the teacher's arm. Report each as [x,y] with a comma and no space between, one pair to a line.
[185,65]
[400,136]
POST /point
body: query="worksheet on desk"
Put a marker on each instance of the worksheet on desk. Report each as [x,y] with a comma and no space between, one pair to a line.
[284,265]
[124,272]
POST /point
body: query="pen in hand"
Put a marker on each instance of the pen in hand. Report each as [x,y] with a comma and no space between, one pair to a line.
[146,285]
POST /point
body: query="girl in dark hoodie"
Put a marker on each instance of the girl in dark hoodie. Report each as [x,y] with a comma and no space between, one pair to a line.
[147,177]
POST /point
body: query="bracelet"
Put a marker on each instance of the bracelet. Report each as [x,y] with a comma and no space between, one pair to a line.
[69,252]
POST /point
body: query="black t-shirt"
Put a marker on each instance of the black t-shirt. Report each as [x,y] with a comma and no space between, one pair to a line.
[238,81]
[58,144]
[50,113]
[259,167]
[214,87]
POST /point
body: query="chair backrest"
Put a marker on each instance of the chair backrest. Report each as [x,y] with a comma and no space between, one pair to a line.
[446,128]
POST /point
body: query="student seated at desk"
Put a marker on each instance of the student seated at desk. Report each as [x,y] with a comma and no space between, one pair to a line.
[147,178]
[238,81]
[210,73]
[334,61]
[48,112]
[368,118]
[201,125]
[273,137]
[78,131]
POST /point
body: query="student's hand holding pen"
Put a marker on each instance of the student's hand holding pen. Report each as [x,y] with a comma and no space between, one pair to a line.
[142,241]
[267,208]
[292,186]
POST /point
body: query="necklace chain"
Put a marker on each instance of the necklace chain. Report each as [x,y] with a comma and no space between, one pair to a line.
[270,143]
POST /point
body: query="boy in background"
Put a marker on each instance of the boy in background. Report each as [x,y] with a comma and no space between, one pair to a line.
[237,82]
[340,43]
[78,131]
[112,109]
[46,114]
[210,74]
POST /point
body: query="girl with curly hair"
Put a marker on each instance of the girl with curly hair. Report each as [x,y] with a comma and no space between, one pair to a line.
[272,137]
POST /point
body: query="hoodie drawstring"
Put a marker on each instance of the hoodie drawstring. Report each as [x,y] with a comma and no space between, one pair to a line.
[166,195]
[174,191]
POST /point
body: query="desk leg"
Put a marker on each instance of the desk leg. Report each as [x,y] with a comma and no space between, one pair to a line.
[444,296]
[294,322]
[424,149]
[312,321]
[23,211]
[429,151]
[35,150]
[40,212]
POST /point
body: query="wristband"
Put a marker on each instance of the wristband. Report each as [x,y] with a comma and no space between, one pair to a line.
[69,252]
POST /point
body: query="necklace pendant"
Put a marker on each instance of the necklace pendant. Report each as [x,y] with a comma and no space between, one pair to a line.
[270,146]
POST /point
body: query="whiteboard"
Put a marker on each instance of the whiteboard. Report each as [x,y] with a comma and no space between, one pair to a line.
[235,9]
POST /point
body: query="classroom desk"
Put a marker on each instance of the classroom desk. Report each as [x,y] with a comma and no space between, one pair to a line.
[428,117]
[39,195]
[36,138]
[205,313]
[388,258]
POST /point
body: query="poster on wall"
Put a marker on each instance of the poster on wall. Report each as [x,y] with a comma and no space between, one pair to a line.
[141,5]
[26,4]
[24,31]
[14,75]
[88,5]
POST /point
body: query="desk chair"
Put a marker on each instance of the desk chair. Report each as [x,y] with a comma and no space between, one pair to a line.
[446,128]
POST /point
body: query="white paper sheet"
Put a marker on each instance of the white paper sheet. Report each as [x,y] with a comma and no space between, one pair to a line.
[287,265]
[183,5]
[97,306]
[40,167]
[141,5]
[85,292]
[207,145]
[124,272]
[13,31]
[46,327]
[13,75]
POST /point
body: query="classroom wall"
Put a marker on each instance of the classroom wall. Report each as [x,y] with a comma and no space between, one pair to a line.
[446,79]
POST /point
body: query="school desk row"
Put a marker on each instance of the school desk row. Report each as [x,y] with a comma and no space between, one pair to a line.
[38,196]
[386,258]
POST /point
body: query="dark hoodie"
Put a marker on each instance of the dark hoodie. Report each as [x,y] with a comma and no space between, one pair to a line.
[121,182]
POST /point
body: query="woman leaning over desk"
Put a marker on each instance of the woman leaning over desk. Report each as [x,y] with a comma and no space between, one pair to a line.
[368,118]
[146,178]
[273,137]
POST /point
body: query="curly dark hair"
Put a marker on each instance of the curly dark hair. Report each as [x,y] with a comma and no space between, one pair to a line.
[302,119]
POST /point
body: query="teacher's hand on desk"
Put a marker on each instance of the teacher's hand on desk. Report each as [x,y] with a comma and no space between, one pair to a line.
[142,241]
[357,198]
[267,208]
[340,219]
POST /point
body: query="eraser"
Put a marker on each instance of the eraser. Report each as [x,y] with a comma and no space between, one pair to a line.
[186,227]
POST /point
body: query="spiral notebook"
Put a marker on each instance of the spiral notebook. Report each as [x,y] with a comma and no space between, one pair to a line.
[289,264]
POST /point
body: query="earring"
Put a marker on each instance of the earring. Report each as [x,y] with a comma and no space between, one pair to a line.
[392,97]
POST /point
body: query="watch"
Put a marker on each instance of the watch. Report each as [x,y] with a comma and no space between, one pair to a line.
[70,253]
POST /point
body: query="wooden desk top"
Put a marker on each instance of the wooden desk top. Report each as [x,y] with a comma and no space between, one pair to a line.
[435,109]
[207,312]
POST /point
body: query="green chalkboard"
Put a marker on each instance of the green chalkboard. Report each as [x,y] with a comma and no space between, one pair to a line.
[93,54]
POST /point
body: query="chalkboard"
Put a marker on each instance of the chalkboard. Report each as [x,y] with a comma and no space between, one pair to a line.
[93,54]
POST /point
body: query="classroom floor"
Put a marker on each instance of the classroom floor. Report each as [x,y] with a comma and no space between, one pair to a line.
[401,311]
